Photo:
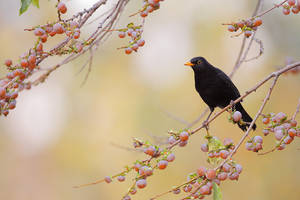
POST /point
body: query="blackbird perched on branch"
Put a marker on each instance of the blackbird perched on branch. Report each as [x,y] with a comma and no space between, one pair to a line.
[216,89]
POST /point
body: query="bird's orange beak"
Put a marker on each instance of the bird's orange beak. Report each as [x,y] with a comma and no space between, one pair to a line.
[189,64]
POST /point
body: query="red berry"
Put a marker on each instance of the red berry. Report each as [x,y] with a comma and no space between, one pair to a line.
[222,176]
[240,24]
[141,42]
[295,10]
[44,38]
[133,191]
[248,33]
[292,132]
[239,168]
[183,144]
[291,2]
[39,47]
[162,164]
[211,174]
[2,93]
[24,63]
[126,198]
[286,11]
[53,33]
[137,167]
[258,139]
[204,147]
[144,13]
[14,95]
[281,147]
[176,191]
[128,50]
[62,7]
[184,136]
[278,134]
[188,188]
[201,171]
[5,112]
[38,32]
[234,176]
[224,154]
[122,34]
[288,140]
[12,104]
[257,22]
[266,132]
[141,183]
[76,35]
[237,116]
[150,9]
[293,123]
[171,157]
[135,47]
[8,62]
[49,29]
[32,59]
[226,167]
[121,178]
[58,28]
[266,120]
[257,147]
[107,179]
[204,190]
[231,28]
[150,150]
[171,140]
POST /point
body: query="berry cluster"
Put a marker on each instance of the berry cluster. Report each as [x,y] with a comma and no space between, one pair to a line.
[149,6]
[14,82]
[216,149]
[135,33]
[144,169]
[246,26]
[182,137]
[284,130]
[200,183]
[291,5]
[254,144]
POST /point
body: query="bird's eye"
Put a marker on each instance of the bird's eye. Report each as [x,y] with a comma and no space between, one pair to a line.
[199,62]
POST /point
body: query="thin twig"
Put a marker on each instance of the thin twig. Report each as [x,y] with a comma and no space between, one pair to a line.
[297,110]
[269,10]
[261,49]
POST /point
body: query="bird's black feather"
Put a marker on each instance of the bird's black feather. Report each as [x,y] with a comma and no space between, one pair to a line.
[216,88]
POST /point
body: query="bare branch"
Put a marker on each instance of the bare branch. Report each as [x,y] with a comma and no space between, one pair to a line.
[297,110]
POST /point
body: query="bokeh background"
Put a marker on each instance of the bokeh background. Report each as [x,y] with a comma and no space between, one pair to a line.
[62,134]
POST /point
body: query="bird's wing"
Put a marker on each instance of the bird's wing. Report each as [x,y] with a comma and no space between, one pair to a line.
[227,81]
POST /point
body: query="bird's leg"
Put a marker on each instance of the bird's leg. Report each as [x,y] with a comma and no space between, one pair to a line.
[205,123]
[232,105]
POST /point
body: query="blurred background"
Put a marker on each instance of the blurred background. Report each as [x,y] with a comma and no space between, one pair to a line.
[62,134]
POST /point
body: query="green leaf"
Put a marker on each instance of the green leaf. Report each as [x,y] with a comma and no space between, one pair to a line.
[36,3]
[24,6]
[217,195]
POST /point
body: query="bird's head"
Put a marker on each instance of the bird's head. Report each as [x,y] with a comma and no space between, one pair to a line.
[197,63]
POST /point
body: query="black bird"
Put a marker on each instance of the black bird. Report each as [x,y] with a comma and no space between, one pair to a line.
[216,88]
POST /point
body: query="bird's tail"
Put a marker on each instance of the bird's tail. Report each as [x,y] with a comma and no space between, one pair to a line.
[245,117]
